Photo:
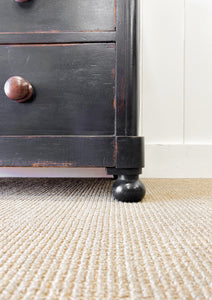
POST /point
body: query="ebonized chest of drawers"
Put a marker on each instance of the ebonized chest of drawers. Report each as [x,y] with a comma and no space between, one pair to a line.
[68,95]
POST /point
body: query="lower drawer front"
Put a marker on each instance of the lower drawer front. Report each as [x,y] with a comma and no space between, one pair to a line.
[74,89]
[57,151]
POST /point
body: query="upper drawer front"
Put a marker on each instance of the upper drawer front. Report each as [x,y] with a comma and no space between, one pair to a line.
[74,89]
[54,15]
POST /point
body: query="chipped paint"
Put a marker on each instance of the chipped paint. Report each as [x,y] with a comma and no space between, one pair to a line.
[114,103]
[115,152]
[121,104]
[51,164]
[113,73]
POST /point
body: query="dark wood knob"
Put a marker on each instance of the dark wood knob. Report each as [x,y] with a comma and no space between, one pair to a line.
[21,1]
[18,89]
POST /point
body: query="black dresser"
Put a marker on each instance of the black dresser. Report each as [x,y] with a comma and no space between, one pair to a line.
[68,95]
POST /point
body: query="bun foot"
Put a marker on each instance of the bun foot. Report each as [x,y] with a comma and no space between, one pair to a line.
[128,188]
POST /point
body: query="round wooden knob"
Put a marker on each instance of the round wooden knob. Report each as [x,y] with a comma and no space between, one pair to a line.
[18,89]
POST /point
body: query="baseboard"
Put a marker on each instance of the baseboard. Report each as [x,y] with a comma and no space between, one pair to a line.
[178,161]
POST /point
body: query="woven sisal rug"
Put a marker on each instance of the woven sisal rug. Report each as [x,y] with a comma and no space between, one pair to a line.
[68,239]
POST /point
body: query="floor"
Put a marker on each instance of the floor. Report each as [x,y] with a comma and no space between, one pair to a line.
[69,239]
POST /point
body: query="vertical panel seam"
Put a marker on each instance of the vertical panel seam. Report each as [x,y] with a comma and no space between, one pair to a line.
[184,72]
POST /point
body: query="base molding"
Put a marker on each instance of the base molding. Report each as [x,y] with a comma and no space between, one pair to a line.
[178,161]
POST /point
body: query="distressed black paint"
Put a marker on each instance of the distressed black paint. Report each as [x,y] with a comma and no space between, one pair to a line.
[74,89]
[51,15]
[56,151]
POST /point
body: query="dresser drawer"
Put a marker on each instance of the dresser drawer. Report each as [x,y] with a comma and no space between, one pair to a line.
[54,15]
[74,89]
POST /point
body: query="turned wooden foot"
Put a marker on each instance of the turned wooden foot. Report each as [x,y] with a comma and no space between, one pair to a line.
[128,188]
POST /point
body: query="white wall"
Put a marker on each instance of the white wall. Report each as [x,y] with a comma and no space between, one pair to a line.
[176,90]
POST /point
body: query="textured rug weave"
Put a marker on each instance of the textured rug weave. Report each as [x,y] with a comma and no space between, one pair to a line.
[68,239]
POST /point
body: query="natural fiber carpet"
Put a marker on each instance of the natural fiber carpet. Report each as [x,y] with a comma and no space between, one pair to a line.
[68,239]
